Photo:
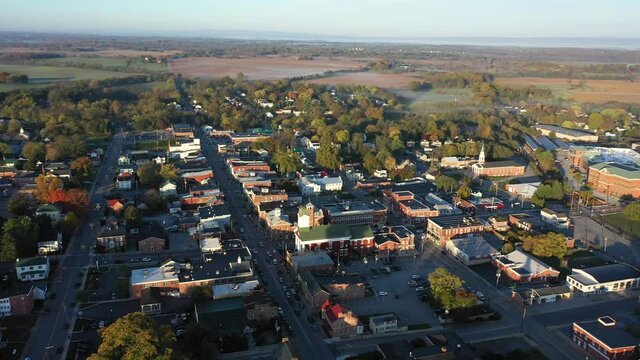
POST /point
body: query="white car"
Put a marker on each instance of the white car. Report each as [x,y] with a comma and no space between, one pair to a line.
[101,324]
[383,293]
[274,262]
[420,288]
[146,259]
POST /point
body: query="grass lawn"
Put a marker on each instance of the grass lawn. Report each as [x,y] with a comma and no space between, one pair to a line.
[46,75]
[624,223]
[436,99]
[515,346]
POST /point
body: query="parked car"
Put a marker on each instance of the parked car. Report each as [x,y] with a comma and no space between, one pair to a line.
[383,293]
[420,289]
[416,277]
[412,283]
[146,259]
[274,261]
[480,296]
[101,324]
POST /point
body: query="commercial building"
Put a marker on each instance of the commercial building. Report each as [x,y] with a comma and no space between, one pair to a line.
[311,185]
[521,221]
[410,210]
[522,267]
[603,279]
[279,226]
[444,228]
[259,195]
[394,239]
[219,213]
[605,339]
[355,213]
[182,130]
[499,168]
[614,179]
[338,239]
[566,134]
[583,156]
[471,250]
[230,266]
[316,262]
[524,190]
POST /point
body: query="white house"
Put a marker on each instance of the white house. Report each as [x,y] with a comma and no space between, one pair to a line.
[51,246]
[124,181]
[49,210]
[603,279]
[384,323]
[124,160]
[33,268]
[168,188]
[559,220]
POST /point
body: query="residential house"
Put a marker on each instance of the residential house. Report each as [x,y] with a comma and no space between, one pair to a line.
[125,181]
[151,301]
[338,320]
[520,221]
[559,220]
[18,299]
[112,236]
[50,246]
[522,267]
[50,210]
[260,307]
[499,223]
[33,268]
[168,188]
[312,185]
[383,323]
[152,238]
[603,279]
[605,339]
[311,292]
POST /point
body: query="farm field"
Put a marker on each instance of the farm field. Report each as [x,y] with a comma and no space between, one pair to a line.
[46,75]
[102,53]
[369,78]
[596,91]
[260,68]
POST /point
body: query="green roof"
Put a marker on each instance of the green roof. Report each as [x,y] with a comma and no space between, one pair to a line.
[47,208]
[228,314]
[335,231]
[627,172]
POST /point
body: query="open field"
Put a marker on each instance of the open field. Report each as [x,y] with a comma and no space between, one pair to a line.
[437,99]
[260,68]
[596,91]
[46,75]
[369,78]
[102,53]
[111,63]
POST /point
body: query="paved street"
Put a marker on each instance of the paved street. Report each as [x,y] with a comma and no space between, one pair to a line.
[49,333]
[308,342]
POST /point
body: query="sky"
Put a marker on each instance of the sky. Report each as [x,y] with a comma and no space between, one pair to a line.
[330,19]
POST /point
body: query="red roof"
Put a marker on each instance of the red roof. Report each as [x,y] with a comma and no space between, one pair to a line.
[333,311]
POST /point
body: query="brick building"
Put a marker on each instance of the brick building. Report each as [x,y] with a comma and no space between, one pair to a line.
[395,238]
[411,210]
[499,168]
[338,320]
[605,339]
[614,179]
[444,228]
[259,195]
[279,227]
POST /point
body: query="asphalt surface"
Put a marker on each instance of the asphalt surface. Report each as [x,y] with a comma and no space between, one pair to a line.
[49,333]
[308,342]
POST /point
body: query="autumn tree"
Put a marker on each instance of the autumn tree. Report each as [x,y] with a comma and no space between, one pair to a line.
[81,169]
[168,172]
[77,201]
[45,186]
[546,245]
[135,337]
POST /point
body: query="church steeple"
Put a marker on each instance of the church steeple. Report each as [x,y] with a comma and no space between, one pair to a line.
[481,156]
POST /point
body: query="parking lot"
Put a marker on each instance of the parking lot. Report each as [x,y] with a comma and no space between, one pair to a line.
[400,298]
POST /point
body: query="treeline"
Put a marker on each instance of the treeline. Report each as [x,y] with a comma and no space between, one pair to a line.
[7,78]
[570,71]
[457,80]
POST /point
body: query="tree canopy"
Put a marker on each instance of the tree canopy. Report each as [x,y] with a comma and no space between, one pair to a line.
[546,245]
[328,156]
[135,337]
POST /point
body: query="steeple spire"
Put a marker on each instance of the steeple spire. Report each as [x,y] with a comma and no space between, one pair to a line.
[481,157]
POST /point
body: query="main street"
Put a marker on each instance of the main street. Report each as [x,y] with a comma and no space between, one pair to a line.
[53,330]
[308,342]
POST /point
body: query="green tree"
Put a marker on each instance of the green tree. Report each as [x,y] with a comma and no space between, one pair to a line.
[632,211]
[506,248]
[595,121]
[19,204]
[8,251]
[23,233]
[546,160]
[135,337]
[464,191]
[33,152]
[328,156]
[446,183]
[132,217]
[546,245]
[443,288]
[342,136]
[149,174]
[286,162]
[4,150]
[168,172]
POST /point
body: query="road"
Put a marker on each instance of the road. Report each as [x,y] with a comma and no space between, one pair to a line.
[49,332]
[308,342]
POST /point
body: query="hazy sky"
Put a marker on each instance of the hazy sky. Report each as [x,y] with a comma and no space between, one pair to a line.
[352,18]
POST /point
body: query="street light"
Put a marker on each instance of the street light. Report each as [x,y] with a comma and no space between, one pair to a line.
[498,273]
